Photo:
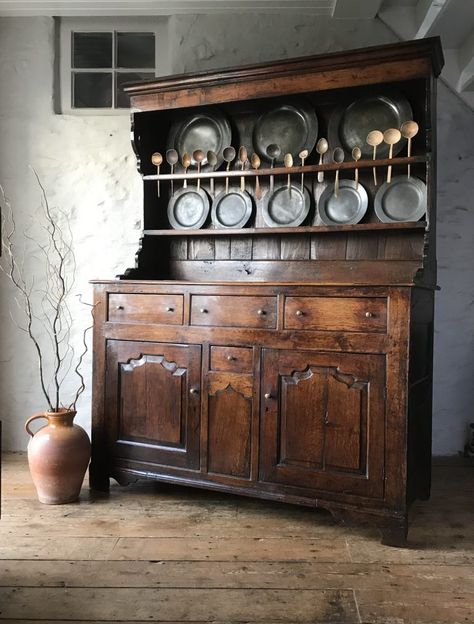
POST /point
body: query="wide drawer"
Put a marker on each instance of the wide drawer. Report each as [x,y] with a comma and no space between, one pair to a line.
[234,311]
[163,309]
[336,313]
[232,359]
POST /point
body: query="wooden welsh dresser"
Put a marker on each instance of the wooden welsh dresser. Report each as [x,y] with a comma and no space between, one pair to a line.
[286,363]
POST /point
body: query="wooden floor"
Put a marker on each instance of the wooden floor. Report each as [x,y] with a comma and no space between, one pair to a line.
[156,553]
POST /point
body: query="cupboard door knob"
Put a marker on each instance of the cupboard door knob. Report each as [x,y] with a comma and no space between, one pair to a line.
[119,307]
[268,395]
[230,358]
[203,310]
[261,312]
[169,309]
[369,314]
[193,391]
[299,312]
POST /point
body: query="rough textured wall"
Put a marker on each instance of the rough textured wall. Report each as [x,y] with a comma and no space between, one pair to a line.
[87,167]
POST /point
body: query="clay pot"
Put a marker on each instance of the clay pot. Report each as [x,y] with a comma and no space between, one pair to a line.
[58,456]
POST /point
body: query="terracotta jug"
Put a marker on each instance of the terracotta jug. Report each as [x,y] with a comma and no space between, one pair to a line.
[58,456]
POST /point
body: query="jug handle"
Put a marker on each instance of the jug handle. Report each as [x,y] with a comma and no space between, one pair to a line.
[34,417]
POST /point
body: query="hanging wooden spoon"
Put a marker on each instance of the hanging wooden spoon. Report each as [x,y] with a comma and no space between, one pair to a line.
[256,162]
[303,155]
[229,155]
[157,159]
[374,139]
[356,155]
[391,137]
[212,162]
[322,147]
[243,157]
[273,152]
[186,162]
[172,159]
[409,130]
[288,161]
[338,158]
[199,156]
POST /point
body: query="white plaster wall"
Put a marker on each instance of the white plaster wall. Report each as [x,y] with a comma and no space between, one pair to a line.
[87,167]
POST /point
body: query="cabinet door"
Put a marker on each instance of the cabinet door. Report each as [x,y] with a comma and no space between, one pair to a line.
[323,421]
[153,402]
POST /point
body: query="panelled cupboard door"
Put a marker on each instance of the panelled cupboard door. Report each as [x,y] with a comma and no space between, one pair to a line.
[153,402]
[323,420]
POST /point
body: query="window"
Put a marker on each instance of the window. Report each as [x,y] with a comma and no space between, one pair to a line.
[98,56]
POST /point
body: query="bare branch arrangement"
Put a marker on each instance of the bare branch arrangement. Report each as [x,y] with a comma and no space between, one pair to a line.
[43,277]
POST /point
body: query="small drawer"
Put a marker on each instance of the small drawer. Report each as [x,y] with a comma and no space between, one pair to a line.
[232,359]
[336,314]
[162,309]
[234,311]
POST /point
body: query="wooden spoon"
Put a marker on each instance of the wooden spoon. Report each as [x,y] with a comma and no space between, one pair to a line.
[338,158]
[199,156]
[391,137]
[322,147]
[374,139]
[288,161]
[273,152]
[256,162]
[356,155]
[243,157]
[212,161]
[157,159]
[303,155]
[229,155]
[409,130]
[186,162]
[172,159]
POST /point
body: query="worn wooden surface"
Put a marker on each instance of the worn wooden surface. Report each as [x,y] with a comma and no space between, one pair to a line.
[167,554]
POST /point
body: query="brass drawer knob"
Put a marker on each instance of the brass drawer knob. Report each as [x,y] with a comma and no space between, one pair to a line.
[119,307]
[231,358]
[261,312]
[169,309]
[203,310]
[268,395]
[369,315]
[299,312]
[193,391]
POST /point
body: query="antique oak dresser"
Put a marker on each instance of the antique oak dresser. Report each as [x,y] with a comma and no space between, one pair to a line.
[286,355]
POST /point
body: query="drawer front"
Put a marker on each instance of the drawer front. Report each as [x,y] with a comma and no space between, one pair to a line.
[336,313]
[163,309]
[232,359]
[234,311]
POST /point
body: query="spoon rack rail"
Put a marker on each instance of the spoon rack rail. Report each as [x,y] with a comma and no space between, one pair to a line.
[278,171]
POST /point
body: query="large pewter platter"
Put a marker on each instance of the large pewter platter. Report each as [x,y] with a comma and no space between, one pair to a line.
[349,127]
[188,208]
[348,208]
[402,199]
[231,209]
[286,207]
[291,125]
[205,130]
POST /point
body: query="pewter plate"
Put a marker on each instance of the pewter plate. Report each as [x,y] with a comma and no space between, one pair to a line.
[205,130]
[402,199]
[232,209]
[188,208]
[349,127]
[286,207]
[347,208]
[292,125]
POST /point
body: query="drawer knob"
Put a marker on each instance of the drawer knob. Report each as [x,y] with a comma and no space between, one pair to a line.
[119,307]
[299,312]
[169,309]
[203,310]
[231,358]
[193,391]
[268,395]
[261,312]
[368,314]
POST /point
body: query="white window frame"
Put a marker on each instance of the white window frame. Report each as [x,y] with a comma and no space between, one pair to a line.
[66,26]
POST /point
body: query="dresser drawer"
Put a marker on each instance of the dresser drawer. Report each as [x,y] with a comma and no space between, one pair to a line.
[163,309]
[336,313]
[234,311]
[232,359]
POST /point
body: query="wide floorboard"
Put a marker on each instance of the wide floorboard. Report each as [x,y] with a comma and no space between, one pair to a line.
[159,553]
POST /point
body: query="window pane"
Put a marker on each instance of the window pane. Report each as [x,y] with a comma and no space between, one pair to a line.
[122,100]
[91,49]
[135,50]
[92,90]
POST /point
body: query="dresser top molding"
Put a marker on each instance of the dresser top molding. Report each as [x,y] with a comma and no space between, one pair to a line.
[373,65]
